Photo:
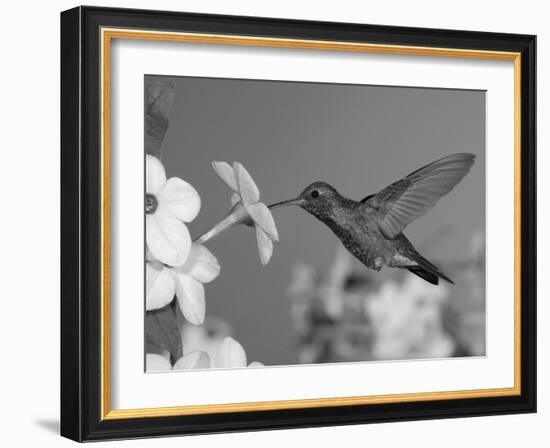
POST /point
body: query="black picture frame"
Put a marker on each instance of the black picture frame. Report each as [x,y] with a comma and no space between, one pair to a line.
[81,224]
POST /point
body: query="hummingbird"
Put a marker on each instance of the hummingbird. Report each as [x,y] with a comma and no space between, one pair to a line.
[372,229]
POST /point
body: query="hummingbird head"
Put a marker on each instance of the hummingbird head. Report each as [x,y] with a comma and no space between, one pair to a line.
[318,198]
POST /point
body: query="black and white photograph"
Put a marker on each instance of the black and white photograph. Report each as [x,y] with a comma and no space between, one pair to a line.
[296,223]
[283,224]
[275,224]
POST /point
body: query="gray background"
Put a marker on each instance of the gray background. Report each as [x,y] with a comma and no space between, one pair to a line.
[288,134]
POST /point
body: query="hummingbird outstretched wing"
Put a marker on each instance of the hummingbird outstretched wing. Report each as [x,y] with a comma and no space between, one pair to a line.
[413,196]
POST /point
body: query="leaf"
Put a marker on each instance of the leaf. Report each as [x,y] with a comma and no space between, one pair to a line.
[161,330]
[159,93]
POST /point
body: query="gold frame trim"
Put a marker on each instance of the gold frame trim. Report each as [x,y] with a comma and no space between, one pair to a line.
[107,35]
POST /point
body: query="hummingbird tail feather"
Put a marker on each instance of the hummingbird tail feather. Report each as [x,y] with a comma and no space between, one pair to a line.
[408,257]
[428,276]
[428,271]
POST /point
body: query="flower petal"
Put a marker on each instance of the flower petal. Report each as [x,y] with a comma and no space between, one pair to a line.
[229,354]
[225,172]
[193,360]
[265,246]
[179,199]
[235,199]
[247,187]
[156,363]
[167,238]
[160,286]
[148,254]
[201,264]
[190,294]
[262,217]
[155,175]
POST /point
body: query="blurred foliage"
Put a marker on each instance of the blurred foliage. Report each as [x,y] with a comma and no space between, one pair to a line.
[159,93]
[162,333]
[353,314]
[206,337]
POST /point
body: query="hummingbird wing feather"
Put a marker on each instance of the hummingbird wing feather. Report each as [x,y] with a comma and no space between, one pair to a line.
[413,196]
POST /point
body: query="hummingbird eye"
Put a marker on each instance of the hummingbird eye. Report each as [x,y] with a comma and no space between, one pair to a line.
[314,194]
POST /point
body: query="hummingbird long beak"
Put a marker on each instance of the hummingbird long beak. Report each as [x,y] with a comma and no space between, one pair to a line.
[295,201]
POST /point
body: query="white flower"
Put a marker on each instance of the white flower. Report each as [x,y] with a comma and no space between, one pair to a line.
[185,281]
[205,337]
[194,360]
[246,209]
[160,286]
[230,354]
[169,204]
[406,320]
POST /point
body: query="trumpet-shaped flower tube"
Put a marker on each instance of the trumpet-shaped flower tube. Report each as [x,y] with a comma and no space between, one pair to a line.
[246,209]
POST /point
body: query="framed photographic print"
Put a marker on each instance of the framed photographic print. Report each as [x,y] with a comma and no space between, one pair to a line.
[274,224]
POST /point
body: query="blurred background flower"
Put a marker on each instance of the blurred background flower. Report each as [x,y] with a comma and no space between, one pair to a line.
[214,337]
[352,314]
[228,353]
[155,362]
[406,320]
